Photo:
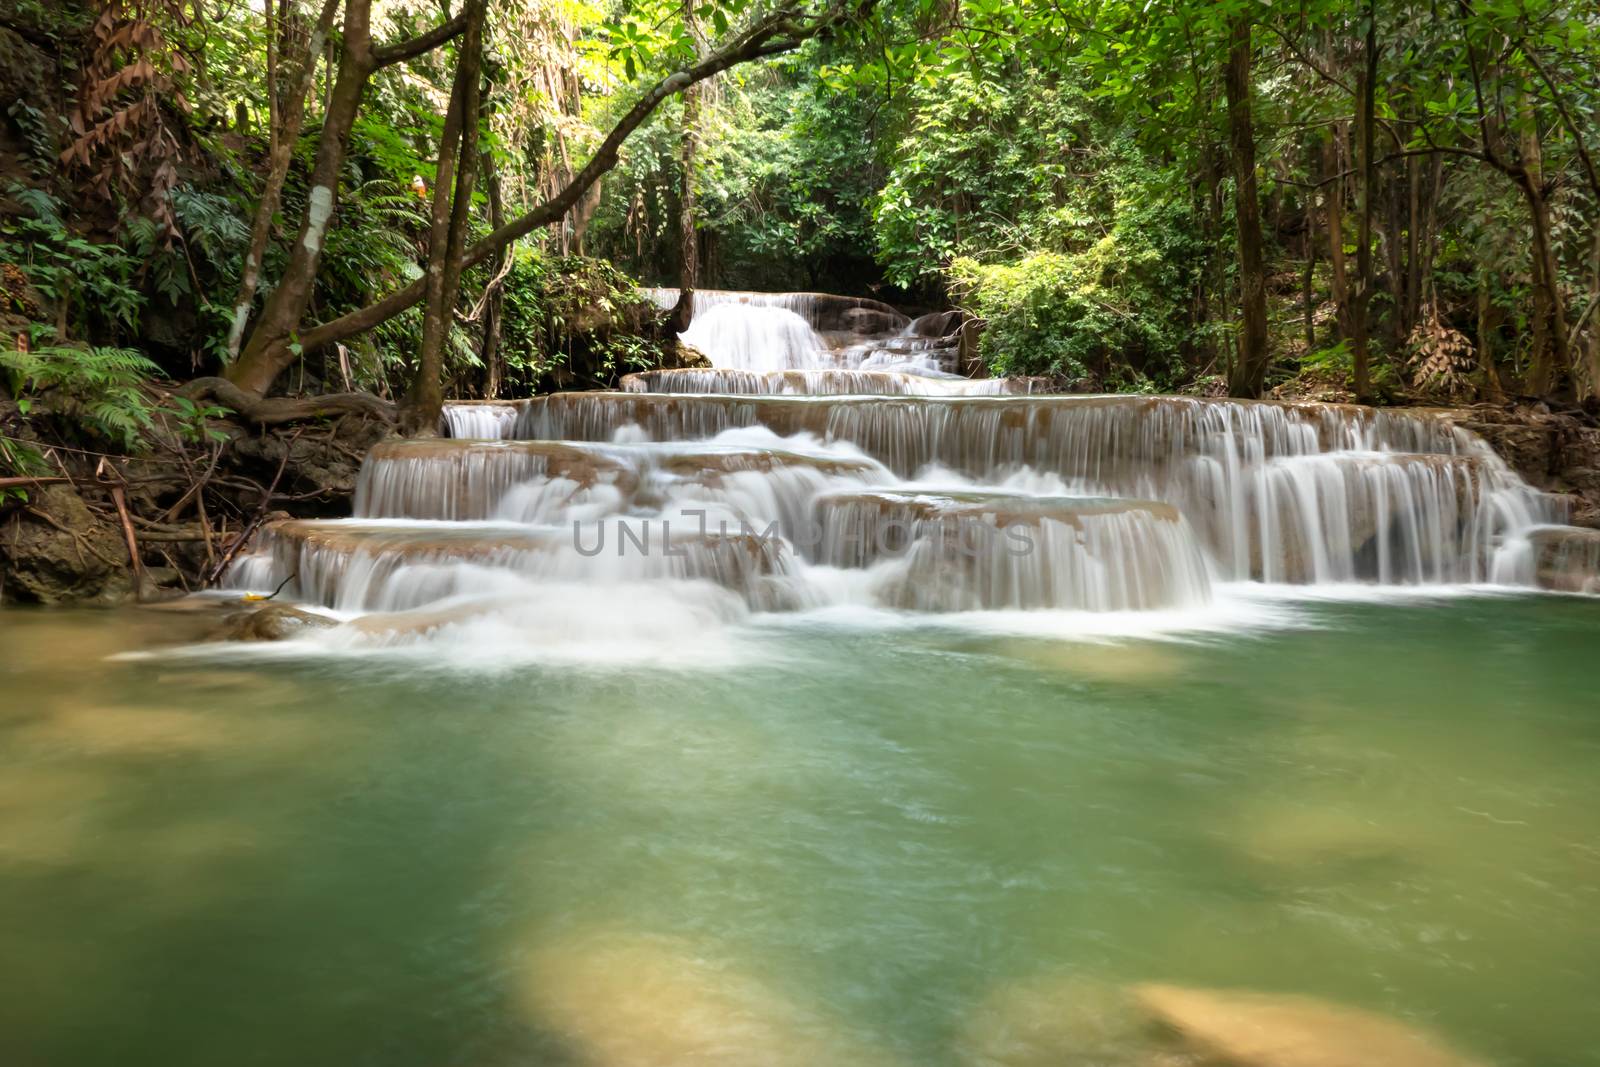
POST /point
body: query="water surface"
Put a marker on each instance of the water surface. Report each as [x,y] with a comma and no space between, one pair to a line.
[846,843]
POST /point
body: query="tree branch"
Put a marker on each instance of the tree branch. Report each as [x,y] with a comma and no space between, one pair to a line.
[1566,119]
[418,45]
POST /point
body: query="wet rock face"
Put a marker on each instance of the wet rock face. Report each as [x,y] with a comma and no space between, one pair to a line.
[73,556]
[1556,452]
[269,622]
[1567,559]
[1274,1030]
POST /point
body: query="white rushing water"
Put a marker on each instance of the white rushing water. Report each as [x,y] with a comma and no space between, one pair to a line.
[793,477]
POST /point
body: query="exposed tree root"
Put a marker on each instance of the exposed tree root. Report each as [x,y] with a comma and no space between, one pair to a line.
[277,410]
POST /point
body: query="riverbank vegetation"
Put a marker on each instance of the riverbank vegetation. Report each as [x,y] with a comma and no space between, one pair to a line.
[321,218]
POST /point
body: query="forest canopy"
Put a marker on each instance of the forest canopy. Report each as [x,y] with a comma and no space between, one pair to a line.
[420,200]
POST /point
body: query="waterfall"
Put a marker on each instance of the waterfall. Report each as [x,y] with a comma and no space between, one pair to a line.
[823,383]
[746,337]
[482,420]
[1281,492]
[793,476]
[778,332]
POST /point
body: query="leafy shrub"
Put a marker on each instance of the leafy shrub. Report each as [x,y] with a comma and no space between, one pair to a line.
[575,315]
[95,284]
[99,387]
[1116,311]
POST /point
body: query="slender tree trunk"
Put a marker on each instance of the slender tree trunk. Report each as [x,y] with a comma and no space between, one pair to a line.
[490,355]
[779,32]
[1368,90]
[1309,281]
[451,218]
[1430,222]
[1492,389]
[1586,318]
[288,116]
[1553,360]
[1249,373]
[688,244]
[1413,301]
[1334,201]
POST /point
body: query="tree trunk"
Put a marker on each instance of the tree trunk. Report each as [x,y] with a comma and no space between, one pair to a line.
[490,355]
[688,244]
[1550,361]
[1413,301]
[771,35]
[451,217]
[1491,389]
[1368,89]
[270,348]
[268,351]
[288,114]
[1308,284]
[1250,372]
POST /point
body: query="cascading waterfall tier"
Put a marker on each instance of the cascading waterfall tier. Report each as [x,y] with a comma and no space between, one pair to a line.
[745,337]
[967,551]
[1282,492]
[775,332]
[485,420]
[823,383]
[352,566]
[794,475]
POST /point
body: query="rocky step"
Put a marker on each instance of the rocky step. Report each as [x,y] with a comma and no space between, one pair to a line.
[446,479]
[1567,558]
[1119,439]
[443,478]
[350,565]
[823,383]
[964,551]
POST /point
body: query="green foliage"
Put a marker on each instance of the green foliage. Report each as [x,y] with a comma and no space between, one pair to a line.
[1093,314]
[99,387]
[20,459]
[95,282]
[189,419]
[984,167]
[572,315]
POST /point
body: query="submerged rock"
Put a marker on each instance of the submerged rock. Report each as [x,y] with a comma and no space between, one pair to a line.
[270,622]
[1057,1020]
[1278,1030]
[627,1000]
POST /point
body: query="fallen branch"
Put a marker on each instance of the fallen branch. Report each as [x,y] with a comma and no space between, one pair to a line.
[250,528]
[25,483]
[119,497]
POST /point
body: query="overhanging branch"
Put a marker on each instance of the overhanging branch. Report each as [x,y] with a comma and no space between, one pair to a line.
[781,31]
[401,51]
